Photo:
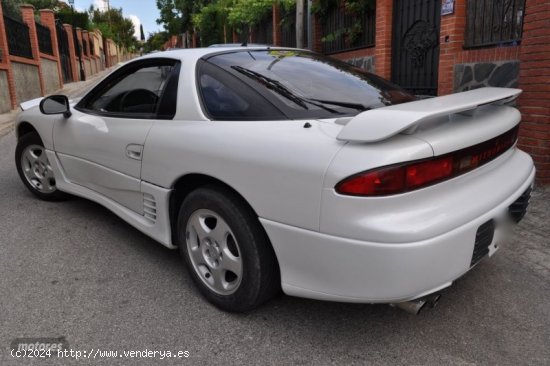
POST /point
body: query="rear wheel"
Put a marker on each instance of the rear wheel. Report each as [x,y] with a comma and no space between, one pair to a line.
[226,251]
[35,169]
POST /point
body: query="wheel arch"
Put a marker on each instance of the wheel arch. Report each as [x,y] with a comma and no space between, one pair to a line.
[24,128]
[187,184]
[190,182]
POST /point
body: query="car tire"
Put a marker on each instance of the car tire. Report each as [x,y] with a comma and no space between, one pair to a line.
[35,170]
[227,252]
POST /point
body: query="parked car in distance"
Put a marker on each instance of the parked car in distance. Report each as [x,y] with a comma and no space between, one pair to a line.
[273,168]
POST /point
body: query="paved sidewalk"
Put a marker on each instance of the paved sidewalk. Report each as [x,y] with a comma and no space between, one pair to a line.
[72,90]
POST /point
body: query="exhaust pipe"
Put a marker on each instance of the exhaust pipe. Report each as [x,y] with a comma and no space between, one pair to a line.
[417,305]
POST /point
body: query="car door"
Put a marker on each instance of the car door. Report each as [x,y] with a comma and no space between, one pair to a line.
[101,145]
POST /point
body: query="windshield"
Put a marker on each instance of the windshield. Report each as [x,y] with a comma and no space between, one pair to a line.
[307,85]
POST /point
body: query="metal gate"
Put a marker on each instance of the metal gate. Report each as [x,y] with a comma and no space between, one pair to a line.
[415,49]
[64,57]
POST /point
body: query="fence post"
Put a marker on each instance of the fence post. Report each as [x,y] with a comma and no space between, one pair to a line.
[383,37]
[86,53]
[72,52]
[47,19]
[277,31]
[107,52]
[27,14]
[5,62]
[317,33]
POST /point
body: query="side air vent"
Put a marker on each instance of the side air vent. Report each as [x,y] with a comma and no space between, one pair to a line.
[149,207]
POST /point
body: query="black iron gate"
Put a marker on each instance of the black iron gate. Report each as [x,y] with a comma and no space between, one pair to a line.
[415,49]
[64,56]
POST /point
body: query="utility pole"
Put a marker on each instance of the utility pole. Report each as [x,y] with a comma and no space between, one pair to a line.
[299,23]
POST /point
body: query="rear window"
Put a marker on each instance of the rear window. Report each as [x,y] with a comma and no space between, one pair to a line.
[300,84]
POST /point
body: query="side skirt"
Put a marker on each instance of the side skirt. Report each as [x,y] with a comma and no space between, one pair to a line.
[155,224]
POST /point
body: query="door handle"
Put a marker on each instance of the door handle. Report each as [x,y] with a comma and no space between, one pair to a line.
[134,151]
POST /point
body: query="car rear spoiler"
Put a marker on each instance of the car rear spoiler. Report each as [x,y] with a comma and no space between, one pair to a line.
[382,123]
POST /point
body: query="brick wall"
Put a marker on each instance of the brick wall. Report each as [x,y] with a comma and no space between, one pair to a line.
[6,73]
[452,52]
[534,79]
[23,78]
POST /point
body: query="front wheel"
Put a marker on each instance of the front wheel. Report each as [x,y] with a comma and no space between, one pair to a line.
[35,169]
[226,250]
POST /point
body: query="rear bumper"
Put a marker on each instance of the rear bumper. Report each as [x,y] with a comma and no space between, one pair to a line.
[331,267]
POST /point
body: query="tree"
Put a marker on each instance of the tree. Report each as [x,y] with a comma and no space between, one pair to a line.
[155,41]
[114,25]
[209,21]
[75,18]
[213,18]
[12,6]
[176,15]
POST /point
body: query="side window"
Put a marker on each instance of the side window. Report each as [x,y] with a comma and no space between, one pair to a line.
[138,92]
[225,97]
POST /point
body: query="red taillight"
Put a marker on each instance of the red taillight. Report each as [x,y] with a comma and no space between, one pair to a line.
[374,183]
[429,171]
[414,175]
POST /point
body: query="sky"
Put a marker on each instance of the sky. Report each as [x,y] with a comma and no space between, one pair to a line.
[139,11]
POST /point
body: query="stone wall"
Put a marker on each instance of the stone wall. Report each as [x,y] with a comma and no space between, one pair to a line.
[366,62]
[87,67]
[477,75]
[94,66]
[5,104]
[50,73]
[27,81]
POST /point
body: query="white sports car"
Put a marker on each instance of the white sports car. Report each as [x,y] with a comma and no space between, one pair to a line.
[276,168]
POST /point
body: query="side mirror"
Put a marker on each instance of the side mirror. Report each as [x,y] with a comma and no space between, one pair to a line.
[55,104]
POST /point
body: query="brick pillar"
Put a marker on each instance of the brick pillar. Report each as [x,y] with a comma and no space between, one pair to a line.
[383,39]
[27,14]
[47,18]
[5,61]
[235,37]
[317,33]
[80,52]
[534,79]
[451,41]
[86,46]
[107,53]
[86,52]
[72,52]
[252,34]
[277,30]
[79,40]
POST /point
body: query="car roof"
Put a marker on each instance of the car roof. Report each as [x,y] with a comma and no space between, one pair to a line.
[197,53]
[225,45]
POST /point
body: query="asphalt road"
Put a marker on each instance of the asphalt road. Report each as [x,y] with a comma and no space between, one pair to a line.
[75,270]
